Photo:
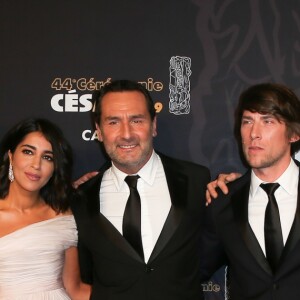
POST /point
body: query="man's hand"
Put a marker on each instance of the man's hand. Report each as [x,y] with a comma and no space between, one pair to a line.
[84,179]
[220,182]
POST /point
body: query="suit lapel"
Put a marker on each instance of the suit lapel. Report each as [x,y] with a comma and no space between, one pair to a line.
[240,207]
[115,237]
[177,184]
[93,203]
[294,235]
[240,210]
[101,222]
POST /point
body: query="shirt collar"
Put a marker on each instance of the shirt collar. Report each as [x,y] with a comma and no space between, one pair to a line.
[147,172]
[288,180]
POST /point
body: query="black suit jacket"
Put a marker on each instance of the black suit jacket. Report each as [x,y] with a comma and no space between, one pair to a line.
[114,268]
[229,239]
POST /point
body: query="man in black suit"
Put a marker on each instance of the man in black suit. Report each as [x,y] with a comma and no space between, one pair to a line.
[153,251]
[255,228]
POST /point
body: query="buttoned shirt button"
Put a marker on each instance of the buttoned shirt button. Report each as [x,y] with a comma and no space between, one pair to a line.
[275,286]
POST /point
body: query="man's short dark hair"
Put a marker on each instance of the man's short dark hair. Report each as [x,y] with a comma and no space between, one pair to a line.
[120,86]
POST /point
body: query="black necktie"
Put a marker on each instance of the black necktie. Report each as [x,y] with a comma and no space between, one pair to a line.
[132,216]
[273,234]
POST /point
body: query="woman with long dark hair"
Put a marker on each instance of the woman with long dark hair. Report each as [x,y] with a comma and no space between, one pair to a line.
[38,235]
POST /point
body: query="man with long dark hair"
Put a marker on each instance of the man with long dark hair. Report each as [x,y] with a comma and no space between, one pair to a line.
[254,229]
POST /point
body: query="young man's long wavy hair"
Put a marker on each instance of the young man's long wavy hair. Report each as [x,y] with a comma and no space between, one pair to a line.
[274,99]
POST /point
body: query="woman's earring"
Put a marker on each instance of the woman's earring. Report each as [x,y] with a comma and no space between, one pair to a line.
[11,176]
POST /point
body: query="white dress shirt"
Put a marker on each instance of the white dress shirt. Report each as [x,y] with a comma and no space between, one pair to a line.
[154,194]
[286,197]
